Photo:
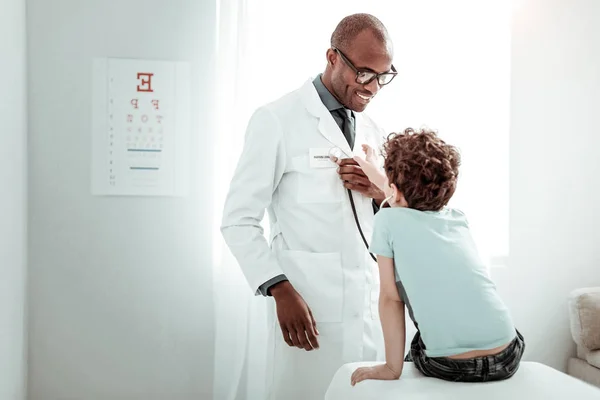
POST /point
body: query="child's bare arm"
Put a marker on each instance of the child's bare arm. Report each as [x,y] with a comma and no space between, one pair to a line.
[391,313]
[370,168]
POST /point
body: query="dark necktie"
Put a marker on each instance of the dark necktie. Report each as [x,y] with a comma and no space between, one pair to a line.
[348,125]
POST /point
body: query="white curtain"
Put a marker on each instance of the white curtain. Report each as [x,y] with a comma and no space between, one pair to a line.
[454,76]
[240,316]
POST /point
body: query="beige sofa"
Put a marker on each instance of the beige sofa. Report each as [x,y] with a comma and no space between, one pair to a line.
[584,309]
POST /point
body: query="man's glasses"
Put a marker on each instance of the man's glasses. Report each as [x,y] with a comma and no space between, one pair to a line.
[364,77]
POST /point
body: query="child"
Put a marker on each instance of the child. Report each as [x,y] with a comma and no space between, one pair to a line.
[428,262]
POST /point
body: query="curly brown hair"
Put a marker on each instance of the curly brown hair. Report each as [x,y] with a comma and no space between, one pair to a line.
[423,167]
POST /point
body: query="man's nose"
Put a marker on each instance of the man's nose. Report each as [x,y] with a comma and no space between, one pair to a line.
[373,86]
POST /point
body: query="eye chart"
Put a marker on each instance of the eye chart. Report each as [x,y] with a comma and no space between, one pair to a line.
[140,131]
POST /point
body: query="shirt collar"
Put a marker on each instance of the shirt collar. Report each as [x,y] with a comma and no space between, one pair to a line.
[326,97]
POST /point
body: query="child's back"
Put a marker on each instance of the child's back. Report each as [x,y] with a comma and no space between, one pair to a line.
[428,261]
[445,283]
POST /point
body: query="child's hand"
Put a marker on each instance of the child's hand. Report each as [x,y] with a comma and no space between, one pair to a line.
[370,153]
[380,372]
[369,167]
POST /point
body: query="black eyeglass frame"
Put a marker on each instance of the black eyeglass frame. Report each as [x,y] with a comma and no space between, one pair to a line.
[373,75]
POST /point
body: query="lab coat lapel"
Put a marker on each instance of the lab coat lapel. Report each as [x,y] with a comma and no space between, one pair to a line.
[366,133]
[326,125]
[361,134]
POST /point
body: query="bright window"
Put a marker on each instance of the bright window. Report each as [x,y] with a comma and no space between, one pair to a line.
[454,76]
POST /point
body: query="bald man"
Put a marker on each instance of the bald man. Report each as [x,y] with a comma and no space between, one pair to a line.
[316,265]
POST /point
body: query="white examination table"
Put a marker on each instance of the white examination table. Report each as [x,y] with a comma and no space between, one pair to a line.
[533,381]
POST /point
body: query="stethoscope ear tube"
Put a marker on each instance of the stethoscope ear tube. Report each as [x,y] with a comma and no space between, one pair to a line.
[387,199]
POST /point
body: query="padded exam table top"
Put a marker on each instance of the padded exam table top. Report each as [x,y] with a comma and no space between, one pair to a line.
[533,381]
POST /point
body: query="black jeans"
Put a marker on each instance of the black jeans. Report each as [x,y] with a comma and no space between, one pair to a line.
[479,369]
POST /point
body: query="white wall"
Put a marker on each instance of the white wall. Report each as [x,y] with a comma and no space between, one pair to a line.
[121,297]
[121,303]
[555,166]
[13,201]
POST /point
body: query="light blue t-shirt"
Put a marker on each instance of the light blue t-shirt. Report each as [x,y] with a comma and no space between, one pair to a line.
[447,288]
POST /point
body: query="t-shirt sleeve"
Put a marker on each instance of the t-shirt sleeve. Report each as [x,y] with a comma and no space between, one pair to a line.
[461,215]
[381,243]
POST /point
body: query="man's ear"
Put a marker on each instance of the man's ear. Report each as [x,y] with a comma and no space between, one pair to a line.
[331,56]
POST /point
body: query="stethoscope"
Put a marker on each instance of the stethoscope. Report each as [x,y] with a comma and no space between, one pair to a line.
[335,153]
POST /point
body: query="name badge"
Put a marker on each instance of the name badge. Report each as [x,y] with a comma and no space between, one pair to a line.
[319,158]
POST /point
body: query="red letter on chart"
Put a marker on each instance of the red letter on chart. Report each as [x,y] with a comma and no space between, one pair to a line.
[146,82]
[134,103]
[155,104]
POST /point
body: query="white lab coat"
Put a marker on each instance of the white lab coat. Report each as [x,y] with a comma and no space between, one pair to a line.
[314,240]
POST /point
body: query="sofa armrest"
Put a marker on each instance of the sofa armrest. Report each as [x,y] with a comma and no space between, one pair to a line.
[584,310]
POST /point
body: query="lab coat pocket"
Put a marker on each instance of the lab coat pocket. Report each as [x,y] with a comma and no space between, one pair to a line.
[319,279]
[317,185]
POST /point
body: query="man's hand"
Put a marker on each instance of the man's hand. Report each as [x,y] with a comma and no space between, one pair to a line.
[379,372]
[354,178]
[295,318]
